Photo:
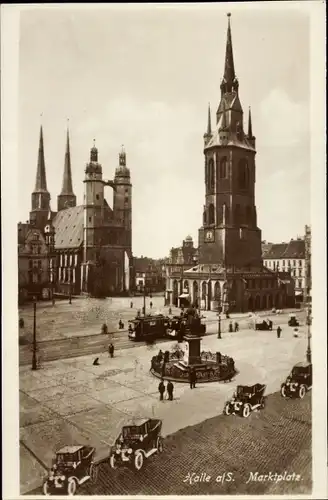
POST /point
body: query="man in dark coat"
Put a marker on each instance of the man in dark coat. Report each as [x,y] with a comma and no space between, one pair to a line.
[278,332]
[192,378]
[169,389]
[111,350]
[161,390]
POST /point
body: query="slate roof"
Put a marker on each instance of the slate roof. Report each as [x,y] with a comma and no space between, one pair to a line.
[68,225]
[295,249]
[23,229]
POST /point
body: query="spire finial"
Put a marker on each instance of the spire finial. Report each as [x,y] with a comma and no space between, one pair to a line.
[122,157]
[250,131]
[94,143]
[229,69]
[209,124]
[94,152]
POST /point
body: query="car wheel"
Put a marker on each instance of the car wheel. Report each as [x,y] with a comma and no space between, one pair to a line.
[283,391]
[112,461]
[46,489]
[159,444]
[302,391]
[227,410]
[263,403]
[246,411]
[93,472]
[138,460]
[71,487]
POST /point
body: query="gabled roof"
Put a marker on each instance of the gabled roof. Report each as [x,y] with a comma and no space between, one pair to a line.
[68,226]
[295,249]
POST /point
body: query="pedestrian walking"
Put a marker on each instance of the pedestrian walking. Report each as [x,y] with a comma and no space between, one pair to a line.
[161,390]
[131,304]
[170,310]
[104,329]
[170,389]
[230,327]
[138,314]
[111,350]
[151,305]
[279,332]
[236,326]
[192,378]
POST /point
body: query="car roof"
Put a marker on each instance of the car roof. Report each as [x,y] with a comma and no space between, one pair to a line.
[70,449]
[302,364]
[137,422]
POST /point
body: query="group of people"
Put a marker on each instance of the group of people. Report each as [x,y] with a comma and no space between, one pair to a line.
[234,327]
[169,388]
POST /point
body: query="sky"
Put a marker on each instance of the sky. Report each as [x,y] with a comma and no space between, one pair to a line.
[143,77]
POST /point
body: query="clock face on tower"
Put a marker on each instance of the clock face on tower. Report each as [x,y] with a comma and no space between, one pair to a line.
[209,235]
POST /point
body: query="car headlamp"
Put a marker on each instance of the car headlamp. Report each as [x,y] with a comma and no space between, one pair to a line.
[129,451]
[141,438]
[62,478]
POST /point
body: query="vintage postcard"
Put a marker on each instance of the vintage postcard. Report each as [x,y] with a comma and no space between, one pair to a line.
[163,228]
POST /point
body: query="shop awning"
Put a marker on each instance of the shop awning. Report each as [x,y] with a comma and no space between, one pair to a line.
[184,296]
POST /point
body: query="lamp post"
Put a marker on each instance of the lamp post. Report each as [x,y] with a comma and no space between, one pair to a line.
[34,363]
[219,326]
[144,299]
[308,350]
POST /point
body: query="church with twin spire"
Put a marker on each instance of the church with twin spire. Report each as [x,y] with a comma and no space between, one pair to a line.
[91,249]
[228,273]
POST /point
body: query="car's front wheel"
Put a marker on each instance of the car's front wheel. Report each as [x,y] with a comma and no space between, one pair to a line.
[159,444]
[138,460]
[112,461]
[46,489]
[93,472]
[302,391]
[246,410]
[227,409]
[71,487]
[283,391]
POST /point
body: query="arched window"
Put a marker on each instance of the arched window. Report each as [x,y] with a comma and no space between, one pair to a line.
[211,175]
[211,214]
[186,287]
[243,173]
[223,167]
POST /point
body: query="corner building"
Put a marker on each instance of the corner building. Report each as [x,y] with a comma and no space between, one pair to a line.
[230,274]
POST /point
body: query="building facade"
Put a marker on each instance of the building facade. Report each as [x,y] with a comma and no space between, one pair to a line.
[92,251]
[229,274]
[148,274]
[289,257]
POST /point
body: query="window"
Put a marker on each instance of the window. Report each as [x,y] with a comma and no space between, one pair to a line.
[283,263]
[237,215]
[300,272]
[211,175]
[34,277]
[34,249]
[248,215]
[89,219]
[36,236]
[97,196]
[211,214]
[243,173]
[300,263]
[223,167]
[294,263]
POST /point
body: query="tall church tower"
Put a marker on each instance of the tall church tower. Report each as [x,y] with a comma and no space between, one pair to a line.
[40,196]
[123,198]
[66,198]
[93,206]
[229,235]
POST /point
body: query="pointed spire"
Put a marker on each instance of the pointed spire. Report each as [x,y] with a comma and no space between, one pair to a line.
[209,126]
[94,152]
[41,181]
[250,131]
[229,68]
[122,157]
[67,177]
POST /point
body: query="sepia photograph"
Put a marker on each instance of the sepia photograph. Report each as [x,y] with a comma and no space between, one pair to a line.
[166,312]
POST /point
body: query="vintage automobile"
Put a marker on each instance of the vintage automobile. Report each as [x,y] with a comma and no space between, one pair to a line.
[265,324]
[72,466]
[148,327]
[298,382]
[137,441]
[293,320]
[245,400]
